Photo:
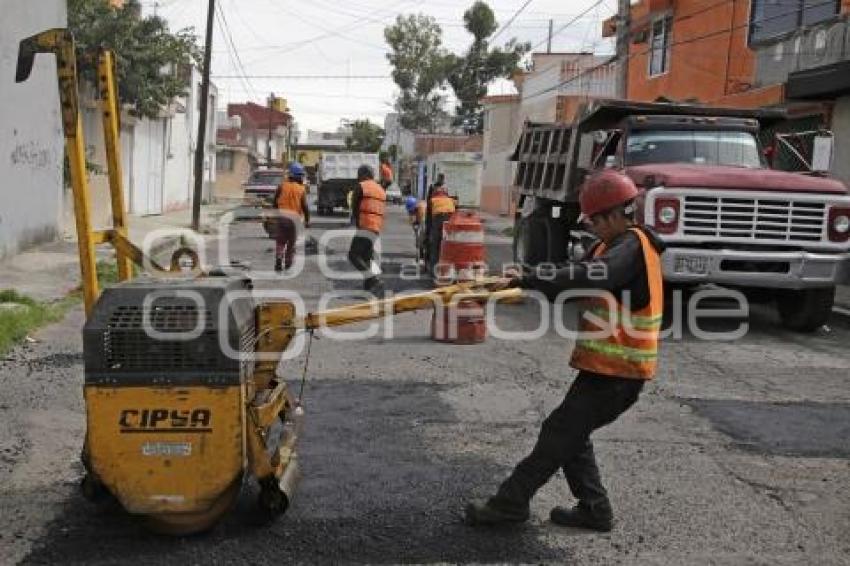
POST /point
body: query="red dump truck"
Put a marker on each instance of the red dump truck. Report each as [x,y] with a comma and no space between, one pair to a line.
[707,188]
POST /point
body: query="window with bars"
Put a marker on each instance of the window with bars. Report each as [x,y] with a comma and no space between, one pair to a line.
[224,161]
[772,19]
[659,41]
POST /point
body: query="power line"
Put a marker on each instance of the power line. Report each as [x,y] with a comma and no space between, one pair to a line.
[240,67]
[507,24]
[322,77]
[299,44]
[569,23]
[648,50]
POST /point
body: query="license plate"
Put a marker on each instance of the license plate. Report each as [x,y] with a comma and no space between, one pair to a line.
[696,265]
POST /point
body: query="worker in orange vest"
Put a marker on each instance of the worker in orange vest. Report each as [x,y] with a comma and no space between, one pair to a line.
[439,210]
[616,352]
[386,172]
[368,204]
[291,201]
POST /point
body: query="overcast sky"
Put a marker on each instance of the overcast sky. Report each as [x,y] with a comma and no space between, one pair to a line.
[333,38]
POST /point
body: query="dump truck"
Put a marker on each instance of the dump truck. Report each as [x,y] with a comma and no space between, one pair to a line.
[463,175]
[707,188]
[338,177]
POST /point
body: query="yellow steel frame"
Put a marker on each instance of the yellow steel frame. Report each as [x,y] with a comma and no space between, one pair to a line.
[60,42]
[112,134]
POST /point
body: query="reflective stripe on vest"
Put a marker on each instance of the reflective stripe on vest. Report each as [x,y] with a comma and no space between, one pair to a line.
[442,205]
[629,347]
[291,197]
[371,214]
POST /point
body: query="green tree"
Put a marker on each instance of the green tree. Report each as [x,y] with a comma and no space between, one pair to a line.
[365,136]
[470,74]
[419,61]
[151,60]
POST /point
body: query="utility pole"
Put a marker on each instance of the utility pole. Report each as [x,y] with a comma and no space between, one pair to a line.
[201,142]
[549,39]
[623,21]
[269,144]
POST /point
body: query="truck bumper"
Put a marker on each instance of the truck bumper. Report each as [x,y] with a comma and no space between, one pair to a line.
[779,270]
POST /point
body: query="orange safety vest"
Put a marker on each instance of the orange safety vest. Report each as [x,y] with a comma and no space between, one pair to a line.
[291,197]
[386,172]
[631,346]
[442,204]
[371,214]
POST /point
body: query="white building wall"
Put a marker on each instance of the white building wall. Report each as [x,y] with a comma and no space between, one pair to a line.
[841,130]
[31,140]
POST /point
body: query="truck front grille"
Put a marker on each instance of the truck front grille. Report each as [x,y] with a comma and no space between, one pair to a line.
[755,219]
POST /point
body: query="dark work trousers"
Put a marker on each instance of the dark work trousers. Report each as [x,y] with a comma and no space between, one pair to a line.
[592,402]
[360,255]
[435,239]
[285,237]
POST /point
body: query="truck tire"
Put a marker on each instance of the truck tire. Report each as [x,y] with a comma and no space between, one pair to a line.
[805,310]
[530,241]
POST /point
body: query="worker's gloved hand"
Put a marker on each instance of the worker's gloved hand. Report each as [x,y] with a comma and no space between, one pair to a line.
[519,278]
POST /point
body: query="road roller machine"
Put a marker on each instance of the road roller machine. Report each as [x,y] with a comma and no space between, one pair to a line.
[183,404]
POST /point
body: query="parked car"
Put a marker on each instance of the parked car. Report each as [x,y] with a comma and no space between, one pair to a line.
[263,184]
[394,194]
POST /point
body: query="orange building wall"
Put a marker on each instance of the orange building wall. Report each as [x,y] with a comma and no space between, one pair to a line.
[704,68]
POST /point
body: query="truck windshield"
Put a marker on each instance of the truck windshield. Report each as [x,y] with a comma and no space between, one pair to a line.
[701,147]
[266,179]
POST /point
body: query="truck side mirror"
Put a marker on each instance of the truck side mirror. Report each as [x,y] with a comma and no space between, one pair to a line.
[822,152]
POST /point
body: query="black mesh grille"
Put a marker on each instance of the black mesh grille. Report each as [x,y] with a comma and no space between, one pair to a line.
[150,332]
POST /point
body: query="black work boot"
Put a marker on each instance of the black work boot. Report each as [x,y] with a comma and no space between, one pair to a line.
[376,287]
[278,265]
[596,517]
[492,512]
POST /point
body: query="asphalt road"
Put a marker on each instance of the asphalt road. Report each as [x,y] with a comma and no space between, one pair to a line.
[737,453]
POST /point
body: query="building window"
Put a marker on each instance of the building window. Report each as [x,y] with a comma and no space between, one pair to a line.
[659,53]
[772,19]
[224,161]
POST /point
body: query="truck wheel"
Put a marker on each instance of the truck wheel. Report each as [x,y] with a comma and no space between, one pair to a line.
[806,310]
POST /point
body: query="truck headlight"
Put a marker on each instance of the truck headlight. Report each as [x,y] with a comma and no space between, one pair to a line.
[839,224]
[667,215]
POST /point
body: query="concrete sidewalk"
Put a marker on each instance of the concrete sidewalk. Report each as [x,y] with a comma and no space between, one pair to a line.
[50,271]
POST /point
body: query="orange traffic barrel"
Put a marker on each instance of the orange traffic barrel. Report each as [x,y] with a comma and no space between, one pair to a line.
[459,323]
[462,254]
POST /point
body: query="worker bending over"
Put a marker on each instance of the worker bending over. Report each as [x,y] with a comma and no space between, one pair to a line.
[611,370]
[291,202]
[368,203]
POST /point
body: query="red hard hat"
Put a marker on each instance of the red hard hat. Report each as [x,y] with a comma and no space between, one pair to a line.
[605,191]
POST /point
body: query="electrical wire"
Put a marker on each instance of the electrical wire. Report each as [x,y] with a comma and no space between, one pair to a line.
[236,59]
[507,24]
[569,23]
[690,40]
